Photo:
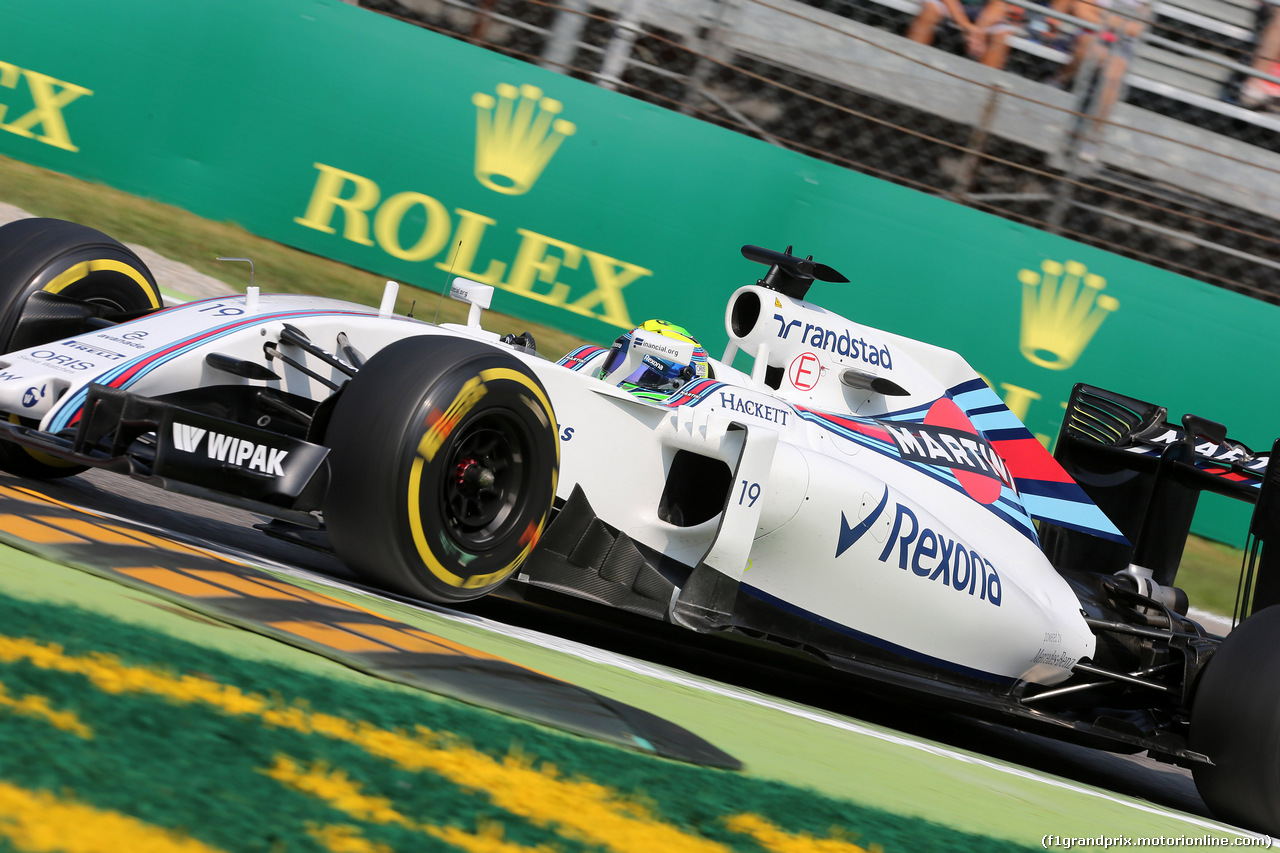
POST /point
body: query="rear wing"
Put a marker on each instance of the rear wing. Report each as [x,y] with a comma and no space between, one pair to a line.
[1147,474]
[1215,462]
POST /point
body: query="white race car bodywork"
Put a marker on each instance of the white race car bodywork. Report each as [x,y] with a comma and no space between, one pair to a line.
[892,554]
[934,574]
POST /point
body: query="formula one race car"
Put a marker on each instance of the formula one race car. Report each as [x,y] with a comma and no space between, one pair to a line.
[858,497]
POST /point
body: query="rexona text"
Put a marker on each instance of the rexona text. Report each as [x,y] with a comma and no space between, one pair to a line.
[926,553]
[929,554]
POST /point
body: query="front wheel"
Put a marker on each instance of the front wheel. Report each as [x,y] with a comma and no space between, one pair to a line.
[1235,720]
[443,463]
[80,273]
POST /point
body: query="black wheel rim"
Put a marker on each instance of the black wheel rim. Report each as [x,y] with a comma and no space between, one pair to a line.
[485,481]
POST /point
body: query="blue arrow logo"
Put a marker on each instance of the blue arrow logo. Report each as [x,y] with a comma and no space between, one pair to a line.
[850,535]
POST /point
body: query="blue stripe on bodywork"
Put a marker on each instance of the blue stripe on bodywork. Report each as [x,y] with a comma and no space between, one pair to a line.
[75,402]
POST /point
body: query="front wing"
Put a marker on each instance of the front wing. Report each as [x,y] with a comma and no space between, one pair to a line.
[187,451]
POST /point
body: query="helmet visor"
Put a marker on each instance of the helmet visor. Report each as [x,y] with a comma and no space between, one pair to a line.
[616,355]
[658,374]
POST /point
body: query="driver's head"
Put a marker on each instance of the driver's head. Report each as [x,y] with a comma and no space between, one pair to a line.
[656,356]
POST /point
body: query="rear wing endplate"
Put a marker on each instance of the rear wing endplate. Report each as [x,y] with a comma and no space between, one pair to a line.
[1146,473]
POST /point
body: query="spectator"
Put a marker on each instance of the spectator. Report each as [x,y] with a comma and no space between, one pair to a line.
[1045,25]
[1106,44]
[1257,93]
[986,29]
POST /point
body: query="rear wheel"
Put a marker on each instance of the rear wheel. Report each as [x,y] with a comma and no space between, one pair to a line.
[1235,720]
[80,274]
[443,463]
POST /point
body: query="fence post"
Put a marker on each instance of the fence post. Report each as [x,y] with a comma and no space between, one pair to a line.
[976,145]
[618,52]
[566,34]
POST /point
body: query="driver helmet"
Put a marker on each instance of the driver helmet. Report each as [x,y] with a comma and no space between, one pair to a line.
[656,356]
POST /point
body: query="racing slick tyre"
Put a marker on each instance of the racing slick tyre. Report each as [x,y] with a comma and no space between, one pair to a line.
[101,277]
[1235,720]
[443,463]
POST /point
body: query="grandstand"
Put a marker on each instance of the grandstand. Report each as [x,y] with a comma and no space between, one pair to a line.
[1179,174]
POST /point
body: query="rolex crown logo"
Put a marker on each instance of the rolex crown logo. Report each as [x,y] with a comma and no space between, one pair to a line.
[517,134]
[1062,308]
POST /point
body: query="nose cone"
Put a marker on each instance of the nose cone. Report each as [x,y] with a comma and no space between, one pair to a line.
[28,394]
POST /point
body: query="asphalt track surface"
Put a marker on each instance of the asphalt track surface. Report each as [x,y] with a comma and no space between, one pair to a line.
[232,530]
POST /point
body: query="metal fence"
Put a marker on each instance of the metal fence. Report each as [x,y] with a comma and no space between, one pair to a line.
[1177,173]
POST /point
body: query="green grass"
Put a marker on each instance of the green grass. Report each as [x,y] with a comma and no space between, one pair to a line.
[1209,571]
[1209,574]
[111,727]
[184,237]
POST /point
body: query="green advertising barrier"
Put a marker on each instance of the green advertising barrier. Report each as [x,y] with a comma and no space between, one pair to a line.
[357,137]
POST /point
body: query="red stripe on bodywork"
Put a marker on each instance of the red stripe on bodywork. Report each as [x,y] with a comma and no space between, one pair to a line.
[1028,460]
[1226,474]
[869,430]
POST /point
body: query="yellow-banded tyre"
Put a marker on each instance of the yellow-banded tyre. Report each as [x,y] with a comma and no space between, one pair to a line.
[443,462]
[84,278]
